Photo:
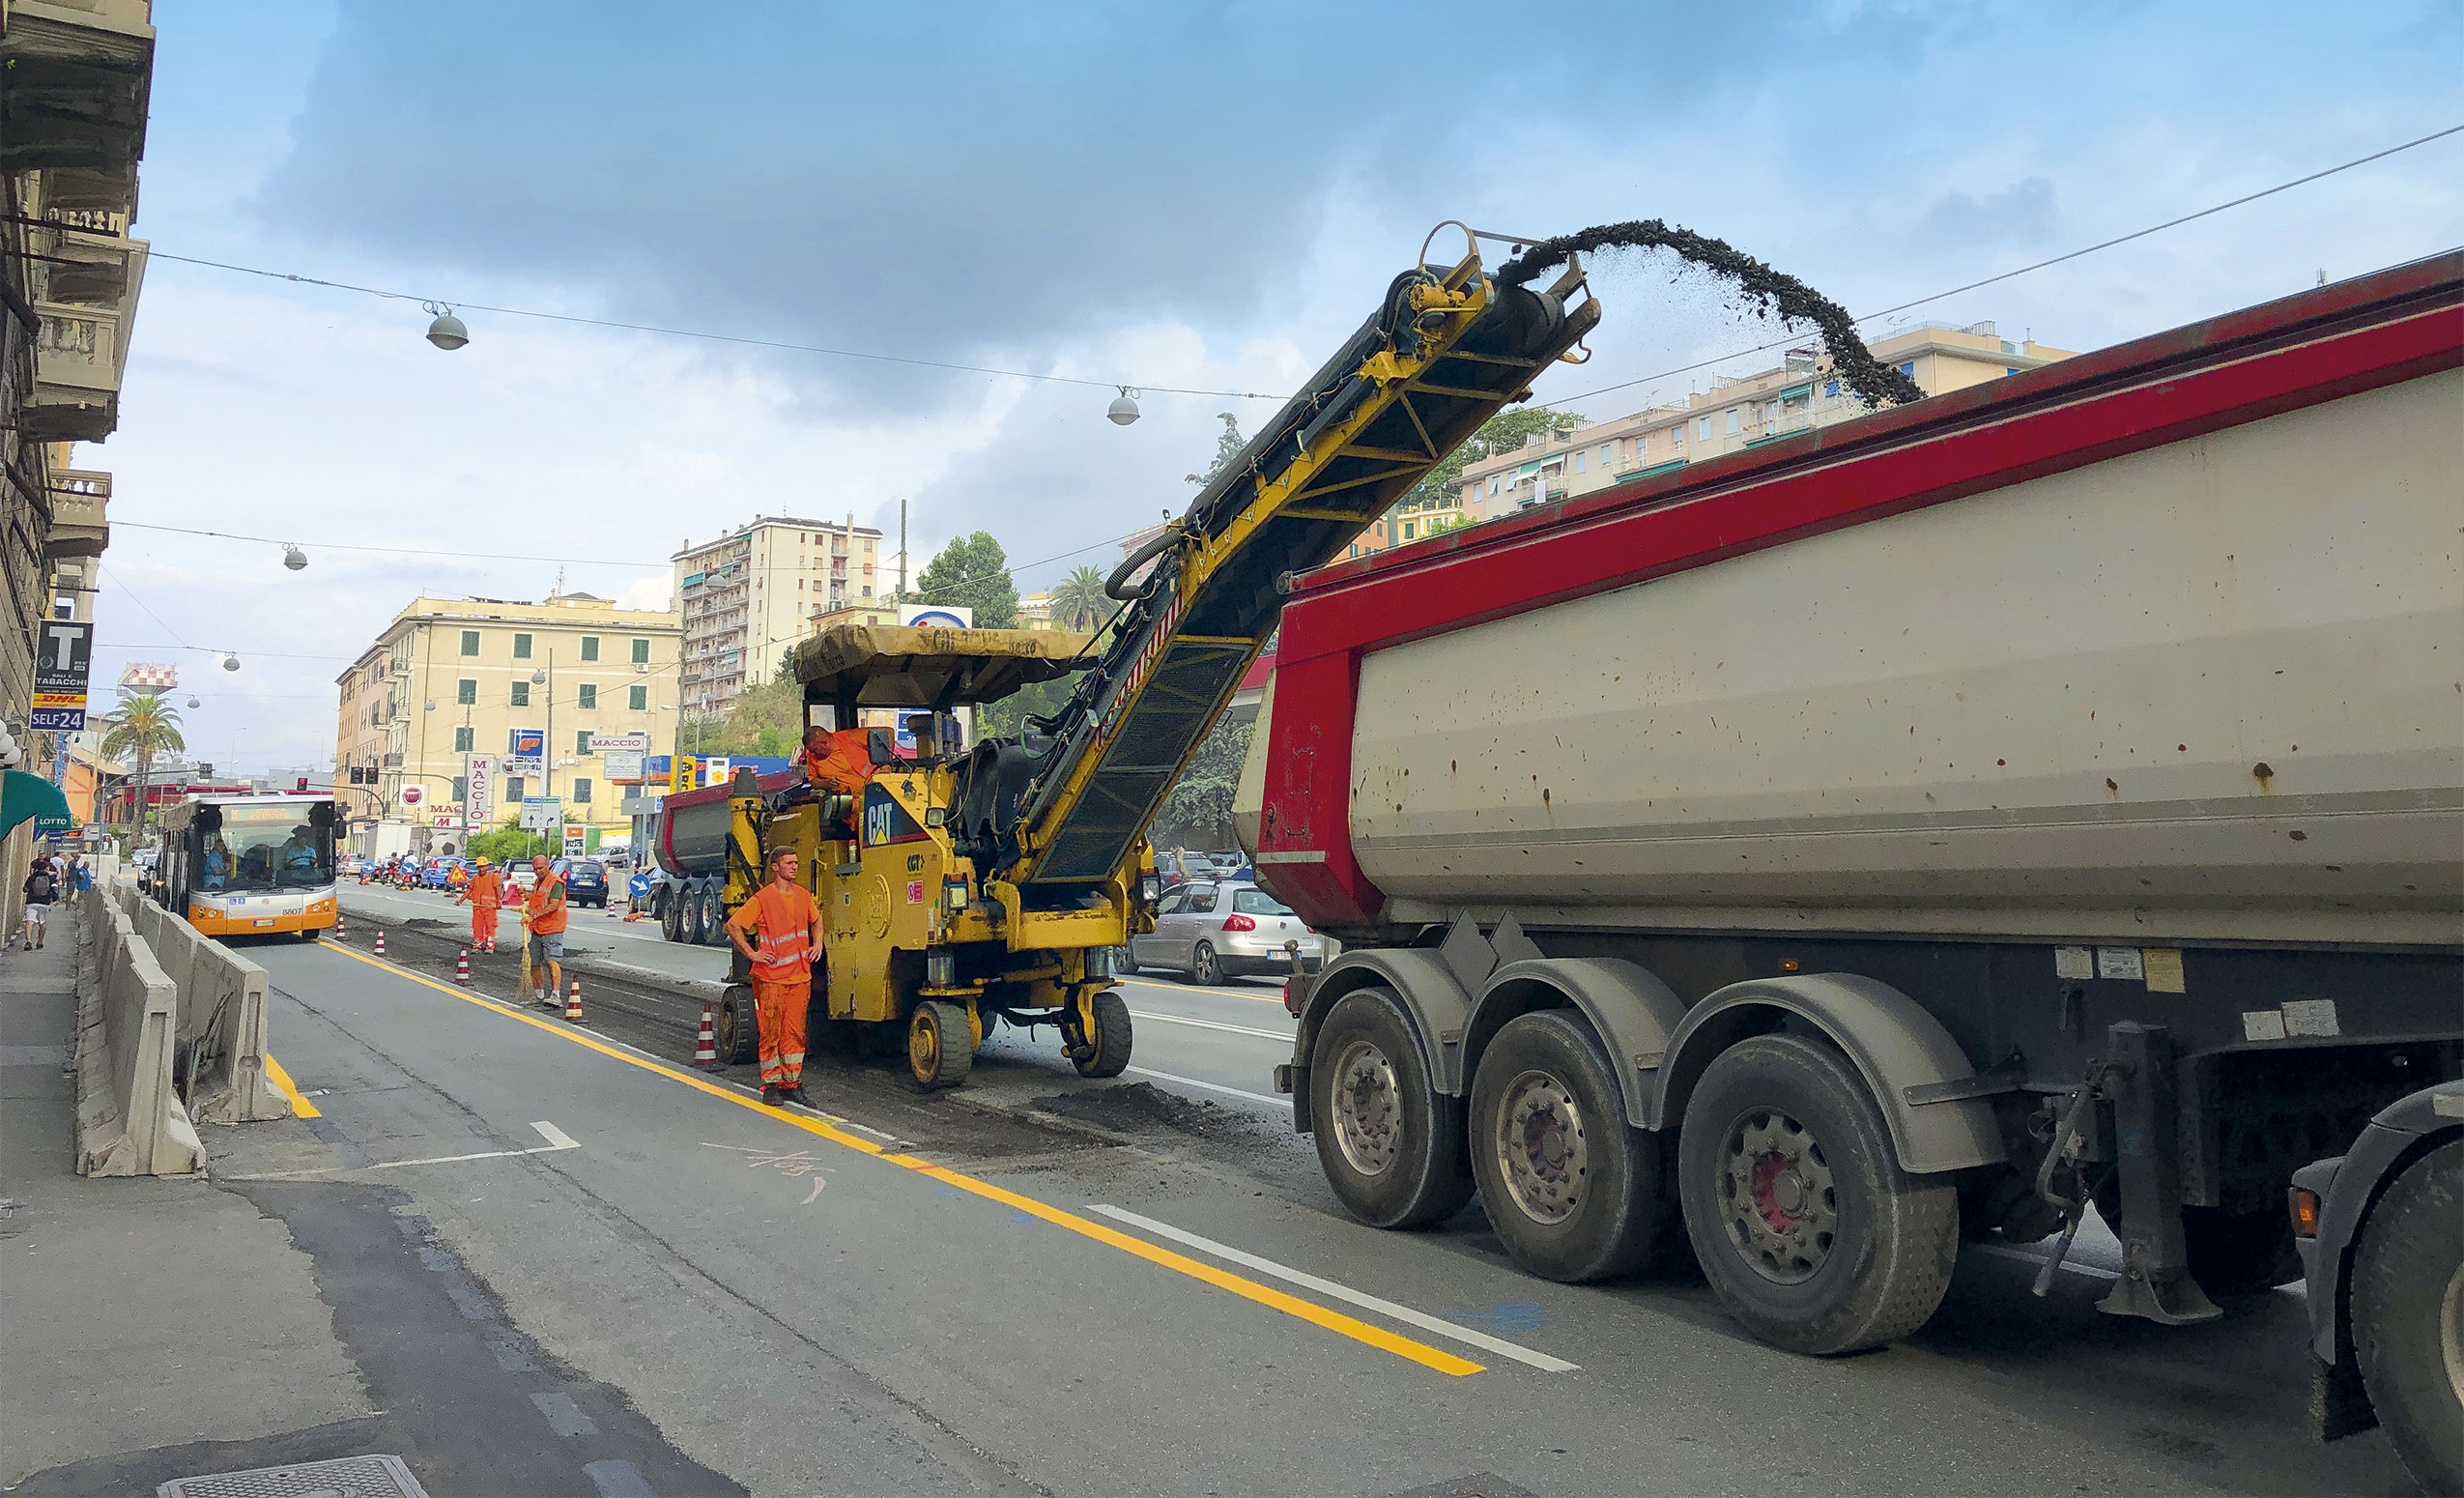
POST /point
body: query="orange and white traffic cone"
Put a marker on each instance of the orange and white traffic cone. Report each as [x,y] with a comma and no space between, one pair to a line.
[462,968]
[379,941]
[705,1045]
[338,921]
[573,1002]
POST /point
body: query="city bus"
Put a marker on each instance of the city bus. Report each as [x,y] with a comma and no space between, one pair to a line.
[242,865]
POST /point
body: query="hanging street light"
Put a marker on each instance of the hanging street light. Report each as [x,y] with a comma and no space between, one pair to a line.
[294,558]
[230,661]
[192,701]
[1124,410]
[446,331]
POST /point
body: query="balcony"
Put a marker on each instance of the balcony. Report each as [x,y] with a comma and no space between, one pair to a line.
[74,81]
[80,527]
[77,361]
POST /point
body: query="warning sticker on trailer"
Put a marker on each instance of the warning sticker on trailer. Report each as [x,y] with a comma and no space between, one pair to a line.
[2164,969]
[2119,962]
[2311,1016]
[2074,963]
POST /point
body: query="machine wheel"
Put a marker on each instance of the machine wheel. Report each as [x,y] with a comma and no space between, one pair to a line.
[312,934]
[1127,961]
[1805,1225]
[940,1044]
[1204,970]
[737,1026]
[671,915]
[714,917]
[1389,1142]
[1573,1192]
[2239,1253]
[2408,1315]
[990,1021]
[1105,1052]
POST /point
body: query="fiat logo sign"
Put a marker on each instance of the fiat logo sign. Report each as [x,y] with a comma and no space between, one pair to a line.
[412,795]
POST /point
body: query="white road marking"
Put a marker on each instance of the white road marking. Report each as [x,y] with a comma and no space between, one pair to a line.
[1211,1086]
[2027,1256]
[1284,1036]
[557,1139]
[1438,1325]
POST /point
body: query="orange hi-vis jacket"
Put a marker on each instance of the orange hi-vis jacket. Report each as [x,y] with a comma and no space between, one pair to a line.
[846,765]
[486,889]
[542,921]
[777,923]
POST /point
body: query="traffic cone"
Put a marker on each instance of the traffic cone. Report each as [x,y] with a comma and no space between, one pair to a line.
[573,1002]
[337,920]
[705,1045]
[379,941]
[462,968]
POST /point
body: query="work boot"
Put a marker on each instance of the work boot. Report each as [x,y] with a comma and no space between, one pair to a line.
[775,1096]
[794,1092]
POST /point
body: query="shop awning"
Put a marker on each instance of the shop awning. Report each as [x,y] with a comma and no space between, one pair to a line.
[23,795]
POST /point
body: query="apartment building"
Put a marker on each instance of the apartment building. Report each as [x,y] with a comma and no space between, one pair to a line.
[1801,393]
[752,592]
[455,680]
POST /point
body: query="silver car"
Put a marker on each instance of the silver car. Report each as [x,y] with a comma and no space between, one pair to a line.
[1211,929]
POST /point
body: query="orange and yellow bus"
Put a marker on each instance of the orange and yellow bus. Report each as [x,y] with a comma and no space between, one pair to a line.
[240,865]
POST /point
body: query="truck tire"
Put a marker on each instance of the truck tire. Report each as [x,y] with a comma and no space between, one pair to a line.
[2408,1315]
[1573,1192]
[688,918]
[1389,1142]
[940,1044]
[1106,1052]
[1806,1227]
[714,917]
[738,1027]
[671,915]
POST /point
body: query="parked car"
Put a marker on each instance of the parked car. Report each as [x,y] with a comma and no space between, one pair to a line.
[1214,929]
[586,884]
[1177,866]
[440,873]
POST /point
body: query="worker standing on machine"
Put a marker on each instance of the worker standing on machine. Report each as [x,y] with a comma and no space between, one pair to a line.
[486,896]
[779,933]
[839,762]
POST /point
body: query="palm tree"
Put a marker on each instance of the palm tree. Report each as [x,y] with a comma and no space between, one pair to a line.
[1080,602]
[146,725]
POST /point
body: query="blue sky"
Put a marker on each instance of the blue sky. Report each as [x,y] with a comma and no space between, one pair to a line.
[1201,195]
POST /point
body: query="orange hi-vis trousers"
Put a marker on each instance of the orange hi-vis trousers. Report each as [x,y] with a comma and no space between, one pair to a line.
[779,1010]
[483,925]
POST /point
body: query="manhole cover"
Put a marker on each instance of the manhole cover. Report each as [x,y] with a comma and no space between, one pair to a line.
[344,1477]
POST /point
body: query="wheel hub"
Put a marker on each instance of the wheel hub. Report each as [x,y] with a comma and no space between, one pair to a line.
[1542,1150]
[1369,1108]
[1779,1202]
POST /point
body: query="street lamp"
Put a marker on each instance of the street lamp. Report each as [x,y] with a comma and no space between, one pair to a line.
[294,558]
[1124,410]
[230,661]
[446,331]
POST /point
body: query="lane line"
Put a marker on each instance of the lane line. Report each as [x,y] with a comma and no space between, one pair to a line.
[300,1108]
[1211,1086]
[1386,1308]
[1284,1036]
[557,1139]
[2024,1256]
[1358,1331]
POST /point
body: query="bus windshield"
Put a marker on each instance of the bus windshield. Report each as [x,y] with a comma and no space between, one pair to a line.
[264,848]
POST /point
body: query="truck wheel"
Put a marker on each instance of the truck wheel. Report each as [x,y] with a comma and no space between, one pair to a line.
[1808,1230]
[2408,1315]
[1573,1192]
[714,917]
[1107,1050]
[940,1044]
[2239,1253]
[1204,970]
[1389,1142]
[737,1029]
[671,917]
[689,917]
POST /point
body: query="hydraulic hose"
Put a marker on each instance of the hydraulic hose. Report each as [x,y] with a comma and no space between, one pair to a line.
[1154,547]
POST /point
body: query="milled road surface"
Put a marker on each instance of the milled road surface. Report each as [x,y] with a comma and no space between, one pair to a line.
[1040,1284]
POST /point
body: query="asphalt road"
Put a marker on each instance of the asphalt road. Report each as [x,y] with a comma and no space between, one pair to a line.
[1036,1282]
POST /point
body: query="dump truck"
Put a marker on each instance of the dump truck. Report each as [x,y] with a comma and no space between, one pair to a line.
[1904,831]
[991,883]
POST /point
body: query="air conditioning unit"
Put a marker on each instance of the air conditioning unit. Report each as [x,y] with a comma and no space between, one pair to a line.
[641,668]
[393,762]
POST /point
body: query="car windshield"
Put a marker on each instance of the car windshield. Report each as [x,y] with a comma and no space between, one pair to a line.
[265,848]
[1257,902]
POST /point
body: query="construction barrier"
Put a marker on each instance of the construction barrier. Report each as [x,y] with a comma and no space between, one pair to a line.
[223,1022]
[131,1120]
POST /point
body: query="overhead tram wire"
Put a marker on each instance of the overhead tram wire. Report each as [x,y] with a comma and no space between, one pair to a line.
[1989,281]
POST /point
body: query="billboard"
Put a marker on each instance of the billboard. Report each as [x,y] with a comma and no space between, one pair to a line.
[941,615]
[529,752]
[476,794]
[63,656]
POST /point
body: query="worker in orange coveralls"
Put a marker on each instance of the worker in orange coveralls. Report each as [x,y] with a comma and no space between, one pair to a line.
[839,762]
[485,894]
[779,933]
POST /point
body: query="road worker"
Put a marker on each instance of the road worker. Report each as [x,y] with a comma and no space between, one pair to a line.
[543,917]
[839,762]
[779,933]
[485,894]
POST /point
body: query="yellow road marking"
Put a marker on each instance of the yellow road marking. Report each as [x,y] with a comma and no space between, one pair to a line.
[300,1108]
[1248,1289]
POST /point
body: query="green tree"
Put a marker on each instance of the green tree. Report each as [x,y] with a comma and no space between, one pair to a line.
[765,720]
[1228,444]
[508,844]
[1197,811]
[973,572]
[1080,602]
[146,725]
[1504,432]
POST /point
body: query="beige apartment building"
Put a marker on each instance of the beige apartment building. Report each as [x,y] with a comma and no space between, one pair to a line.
[453,679]
[752,592]
[1801,393]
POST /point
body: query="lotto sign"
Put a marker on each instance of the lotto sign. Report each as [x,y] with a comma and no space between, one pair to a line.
[64,654]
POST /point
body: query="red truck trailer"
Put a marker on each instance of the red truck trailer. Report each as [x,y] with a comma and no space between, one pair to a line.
[1908,830]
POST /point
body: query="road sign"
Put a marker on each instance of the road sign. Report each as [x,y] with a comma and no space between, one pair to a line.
[622,766]
[529,752]
[542,812]
[64,655]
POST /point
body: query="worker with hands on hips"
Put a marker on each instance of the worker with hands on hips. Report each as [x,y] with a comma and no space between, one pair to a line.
[778,932]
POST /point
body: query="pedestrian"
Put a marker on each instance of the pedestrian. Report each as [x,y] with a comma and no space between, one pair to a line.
[485,894]
[543,917]
[42,885]
[778,931]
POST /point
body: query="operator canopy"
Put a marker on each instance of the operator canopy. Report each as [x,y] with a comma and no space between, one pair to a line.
[903,665]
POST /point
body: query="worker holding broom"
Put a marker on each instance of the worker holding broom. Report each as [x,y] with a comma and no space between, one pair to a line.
[779,933]
[485,895]
[543,918]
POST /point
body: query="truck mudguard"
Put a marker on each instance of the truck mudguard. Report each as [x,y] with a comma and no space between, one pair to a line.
[1896,1045]
[1426,986]
[1629,1008]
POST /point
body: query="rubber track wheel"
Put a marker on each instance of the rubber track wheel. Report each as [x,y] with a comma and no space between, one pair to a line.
[1109,1053]
[954,1044]
[740,1028]
[1427,1181]
[2408,1278]
[1898,1236]
[1614,1226]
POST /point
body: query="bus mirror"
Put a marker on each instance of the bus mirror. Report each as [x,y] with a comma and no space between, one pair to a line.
[209,818]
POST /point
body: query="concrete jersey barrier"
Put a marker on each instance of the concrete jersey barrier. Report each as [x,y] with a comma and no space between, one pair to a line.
[131,1120]
[222,1017]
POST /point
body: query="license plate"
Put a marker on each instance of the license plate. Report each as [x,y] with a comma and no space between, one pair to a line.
[263,922]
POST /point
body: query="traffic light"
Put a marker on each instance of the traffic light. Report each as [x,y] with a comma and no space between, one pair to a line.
[303,784]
